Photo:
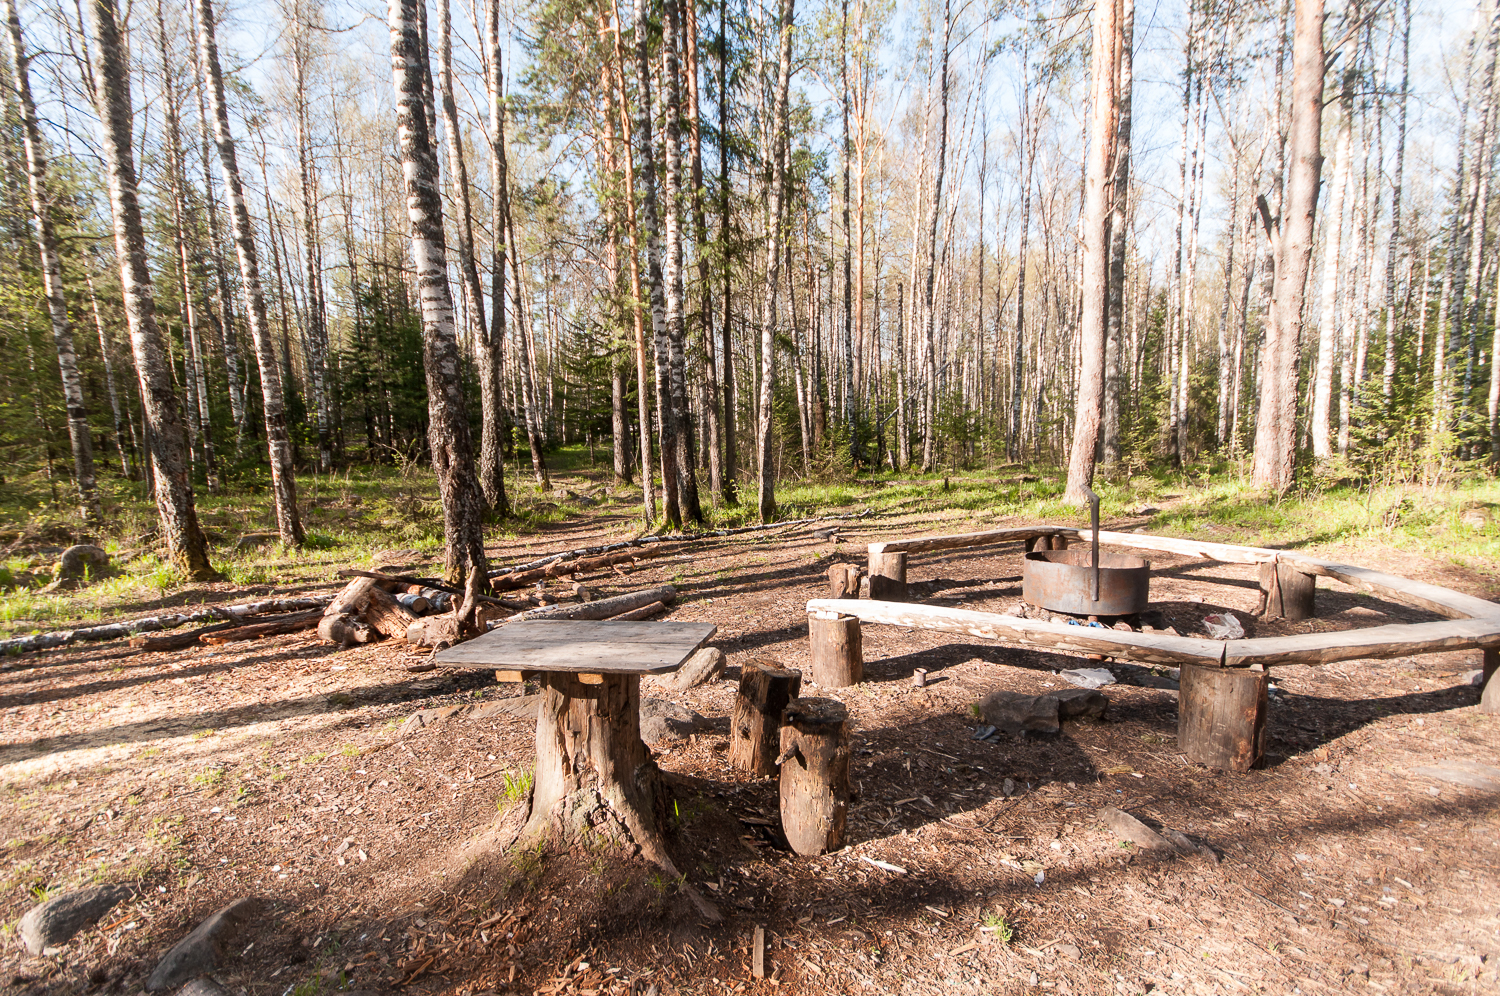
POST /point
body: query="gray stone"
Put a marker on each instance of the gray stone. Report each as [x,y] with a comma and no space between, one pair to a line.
[1017,715]
[203,986]
[662,719]
[58,919]
[704,666]
[1470,774]
[1127,827]
[83,562]
[200,951]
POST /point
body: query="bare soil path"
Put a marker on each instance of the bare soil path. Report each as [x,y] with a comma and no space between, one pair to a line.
[291,771]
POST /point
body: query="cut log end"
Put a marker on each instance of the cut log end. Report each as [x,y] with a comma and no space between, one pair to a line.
[1221,718]
[755,724]
[815,775]
[837,651]
[888,576]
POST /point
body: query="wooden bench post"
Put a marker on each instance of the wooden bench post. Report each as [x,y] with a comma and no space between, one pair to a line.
[814,775]
[1221,716]
[755,724]
[838,656]
[1286,592]
[1489,696]
[843,581]
[888,576]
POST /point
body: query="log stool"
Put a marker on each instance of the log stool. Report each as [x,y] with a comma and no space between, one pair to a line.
[1489,698]
[843,581]
[838,658]
[1221,716]
[1286,592]
[888,576]
[814,775]
[766,688]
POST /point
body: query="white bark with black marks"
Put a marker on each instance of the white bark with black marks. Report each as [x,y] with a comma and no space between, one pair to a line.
[278,440]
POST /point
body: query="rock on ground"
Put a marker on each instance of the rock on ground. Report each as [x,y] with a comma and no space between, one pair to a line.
[203,986]
[1016,715]
[57,920]
[661,719]
[199,952]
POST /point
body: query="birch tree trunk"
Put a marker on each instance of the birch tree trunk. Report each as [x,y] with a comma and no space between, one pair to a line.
[929,313]
[1119,221]
[1276,422]
[676,292]
[106,352]
[1393,246]
[448,433]
[765,466]
[186,547]
[1328,333]
[52,288]
[1096,245]
[490,353]
[648,216]
[283,481]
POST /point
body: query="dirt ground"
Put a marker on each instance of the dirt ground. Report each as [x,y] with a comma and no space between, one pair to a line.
[279,770]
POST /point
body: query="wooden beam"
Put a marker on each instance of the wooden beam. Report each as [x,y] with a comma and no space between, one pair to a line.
[1154,648]
[1395,640]
[991,537]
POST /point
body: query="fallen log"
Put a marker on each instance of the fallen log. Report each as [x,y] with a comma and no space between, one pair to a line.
[179,641]
[364,597]
[154,624]
[644,612]
[427,586]
[290,623]
[604,608]
[506,574]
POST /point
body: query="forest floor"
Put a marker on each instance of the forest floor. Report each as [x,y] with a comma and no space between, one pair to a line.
[290,771]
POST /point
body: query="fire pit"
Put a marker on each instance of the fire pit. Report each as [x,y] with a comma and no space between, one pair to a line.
[1085,582]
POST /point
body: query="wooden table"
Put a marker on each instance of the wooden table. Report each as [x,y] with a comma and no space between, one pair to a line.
[594,775]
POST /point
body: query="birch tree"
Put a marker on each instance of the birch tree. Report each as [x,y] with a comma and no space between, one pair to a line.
[52,287]
[278,440]
[161,410]
[448,434]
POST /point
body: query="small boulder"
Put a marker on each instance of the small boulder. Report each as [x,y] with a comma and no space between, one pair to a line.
[1079,703]
[58,919]
[79,565]
[1017,715]
[204,986]
[662,719]
[704,666]
[200,951]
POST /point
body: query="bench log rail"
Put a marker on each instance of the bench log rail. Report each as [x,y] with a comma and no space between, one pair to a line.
[1469,623]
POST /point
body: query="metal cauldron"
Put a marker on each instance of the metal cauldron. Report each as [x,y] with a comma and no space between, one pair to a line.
[1086,582]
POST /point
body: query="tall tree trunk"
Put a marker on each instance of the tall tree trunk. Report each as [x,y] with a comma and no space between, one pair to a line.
[316,330]
[52,288]
[1393,246]
[163,415]
[730,483]
[676,291]
[283,483]
[848,260]
[491,477]
[648,215]
[1276,422]
[929,313]
[222,308]
[1328,333]
[775,226]
[106,352]
[1096,244]
[448,433]
[1119,221]
[490,353]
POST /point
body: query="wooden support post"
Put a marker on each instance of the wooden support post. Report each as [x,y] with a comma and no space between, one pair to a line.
[888,576]
[1221,716]
[843,581]
[814,775]
[1489,697]
[755,725]
[838,658]
[1286,592]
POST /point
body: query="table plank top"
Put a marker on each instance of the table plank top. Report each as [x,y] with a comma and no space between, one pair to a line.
[583,646]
